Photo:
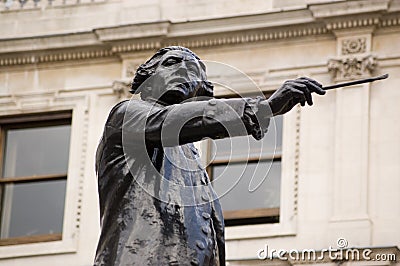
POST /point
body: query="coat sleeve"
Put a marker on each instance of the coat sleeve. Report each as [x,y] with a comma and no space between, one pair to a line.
[188,122]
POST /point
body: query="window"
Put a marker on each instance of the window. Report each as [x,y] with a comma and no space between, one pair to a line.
[247,176]
[34,161]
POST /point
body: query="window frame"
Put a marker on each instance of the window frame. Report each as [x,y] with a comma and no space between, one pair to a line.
[79,164]
[246,216]
[30,121]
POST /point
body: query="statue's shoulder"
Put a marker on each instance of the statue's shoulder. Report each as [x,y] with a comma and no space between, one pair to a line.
[118,108]
[122,106]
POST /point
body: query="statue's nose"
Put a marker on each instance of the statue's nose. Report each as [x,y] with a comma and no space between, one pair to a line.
[182,69]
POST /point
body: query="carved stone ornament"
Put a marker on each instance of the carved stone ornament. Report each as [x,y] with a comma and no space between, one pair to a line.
[121,88]
[354,46]
[352,67]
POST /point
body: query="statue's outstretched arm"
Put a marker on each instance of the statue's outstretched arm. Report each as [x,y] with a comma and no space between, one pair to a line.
[190,121]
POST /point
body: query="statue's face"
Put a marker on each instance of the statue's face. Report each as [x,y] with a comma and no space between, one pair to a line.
[178,77]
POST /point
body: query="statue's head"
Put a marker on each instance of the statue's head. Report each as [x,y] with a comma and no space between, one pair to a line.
[174,74]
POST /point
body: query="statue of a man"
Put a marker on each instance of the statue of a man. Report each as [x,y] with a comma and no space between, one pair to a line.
[157,206]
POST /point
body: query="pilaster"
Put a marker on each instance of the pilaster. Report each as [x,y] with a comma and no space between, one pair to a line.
[350,218]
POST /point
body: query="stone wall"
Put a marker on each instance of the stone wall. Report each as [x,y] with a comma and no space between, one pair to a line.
[340,158]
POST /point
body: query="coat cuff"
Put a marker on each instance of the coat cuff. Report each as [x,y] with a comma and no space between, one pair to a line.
[257,117]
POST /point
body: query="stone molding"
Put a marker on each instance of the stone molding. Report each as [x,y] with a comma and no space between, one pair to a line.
[296,162]
[113,42]
[53,57]
[36,4]
[353,23]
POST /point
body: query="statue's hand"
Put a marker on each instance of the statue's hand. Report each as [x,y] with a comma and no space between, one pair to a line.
[293,92]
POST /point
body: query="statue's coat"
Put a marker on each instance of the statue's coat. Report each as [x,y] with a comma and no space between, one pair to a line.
[156,203]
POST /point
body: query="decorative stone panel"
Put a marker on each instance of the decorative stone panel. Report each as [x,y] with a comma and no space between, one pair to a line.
[354,46]
[354,67]
[121,88]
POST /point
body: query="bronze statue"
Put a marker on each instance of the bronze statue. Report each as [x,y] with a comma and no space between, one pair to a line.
[156,202]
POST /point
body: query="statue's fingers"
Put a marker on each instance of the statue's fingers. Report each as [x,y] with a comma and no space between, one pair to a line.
[313,85]
[311,81]
[299,96]
[304,88]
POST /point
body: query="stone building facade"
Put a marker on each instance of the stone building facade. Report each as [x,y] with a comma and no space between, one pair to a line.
[68,62]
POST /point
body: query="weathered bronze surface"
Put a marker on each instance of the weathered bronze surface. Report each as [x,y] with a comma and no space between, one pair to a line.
[156,202]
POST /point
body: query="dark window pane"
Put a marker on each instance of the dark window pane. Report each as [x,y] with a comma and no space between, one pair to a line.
[240,197]
[33,208]
[247,146]
[37,151]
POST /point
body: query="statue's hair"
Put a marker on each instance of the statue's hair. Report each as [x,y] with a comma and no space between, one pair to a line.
[147,69]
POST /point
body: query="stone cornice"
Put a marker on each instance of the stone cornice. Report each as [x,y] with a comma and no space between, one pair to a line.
[51,42]
[135,31]
[241,23]
[348,8]
[316,19]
